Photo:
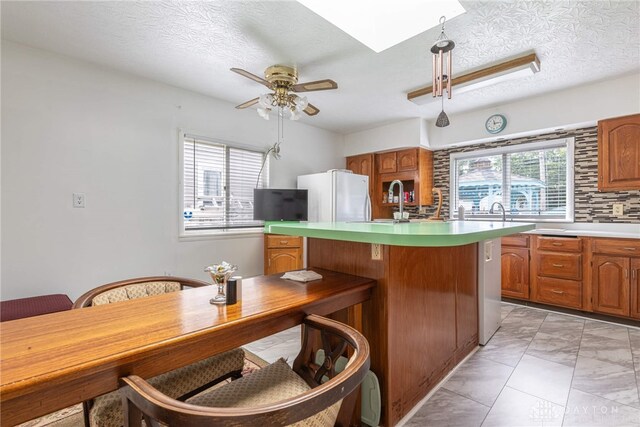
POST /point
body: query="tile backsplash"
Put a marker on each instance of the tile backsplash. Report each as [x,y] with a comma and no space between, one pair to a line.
[590,204]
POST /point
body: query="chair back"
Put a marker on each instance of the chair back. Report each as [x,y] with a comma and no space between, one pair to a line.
[325,388]
[140,287]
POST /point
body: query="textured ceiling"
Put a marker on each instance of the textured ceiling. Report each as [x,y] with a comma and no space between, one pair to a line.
[193,45]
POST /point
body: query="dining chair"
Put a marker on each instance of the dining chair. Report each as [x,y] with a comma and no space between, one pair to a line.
[182,383]
[310,394]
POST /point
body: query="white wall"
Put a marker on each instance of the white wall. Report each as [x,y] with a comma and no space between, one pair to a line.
[406,133]
[69,126]
[569,109]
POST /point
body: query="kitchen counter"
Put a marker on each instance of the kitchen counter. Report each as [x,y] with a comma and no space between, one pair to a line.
[588,229]
[424,314]
[422,234]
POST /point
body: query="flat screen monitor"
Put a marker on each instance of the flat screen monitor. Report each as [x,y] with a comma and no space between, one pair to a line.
[270,204]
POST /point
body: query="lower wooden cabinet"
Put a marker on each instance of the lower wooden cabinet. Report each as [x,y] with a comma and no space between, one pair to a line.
[611,285]
[515,272]
[282,253]
[592,274]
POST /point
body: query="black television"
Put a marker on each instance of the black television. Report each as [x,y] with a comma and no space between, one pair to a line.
[272,204]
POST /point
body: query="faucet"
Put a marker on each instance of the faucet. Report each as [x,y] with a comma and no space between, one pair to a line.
[504,214]
[400,199]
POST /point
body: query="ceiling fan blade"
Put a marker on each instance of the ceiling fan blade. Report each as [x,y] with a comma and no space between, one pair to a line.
[325,84]
[248,103]
[311,110]
[251,76]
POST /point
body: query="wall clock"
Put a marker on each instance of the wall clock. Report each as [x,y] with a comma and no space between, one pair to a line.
[496,123]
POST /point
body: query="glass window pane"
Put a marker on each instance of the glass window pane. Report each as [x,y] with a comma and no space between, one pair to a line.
[218,185]
[479,183]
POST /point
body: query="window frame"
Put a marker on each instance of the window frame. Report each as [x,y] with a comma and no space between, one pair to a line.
[183,233]
[568,142]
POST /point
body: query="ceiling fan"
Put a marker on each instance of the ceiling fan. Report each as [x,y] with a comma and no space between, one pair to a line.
[283,81]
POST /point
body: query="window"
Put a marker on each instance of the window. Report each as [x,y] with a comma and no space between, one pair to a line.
[532,181]
[217,183]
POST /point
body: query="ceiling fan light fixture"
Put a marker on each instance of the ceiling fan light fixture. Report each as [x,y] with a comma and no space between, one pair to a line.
[264,112]
[295,113]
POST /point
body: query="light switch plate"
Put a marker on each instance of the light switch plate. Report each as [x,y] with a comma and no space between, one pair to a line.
[618,209]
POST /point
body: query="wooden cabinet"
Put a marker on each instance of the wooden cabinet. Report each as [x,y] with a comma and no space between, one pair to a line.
[407,160]
[611,285]
[412,166]
[282,253]
[619,153]
[557,271]
[615,269]
[515,266]
[386,162]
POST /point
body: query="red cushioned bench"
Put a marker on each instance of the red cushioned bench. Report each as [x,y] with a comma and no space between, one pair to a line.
[33,306]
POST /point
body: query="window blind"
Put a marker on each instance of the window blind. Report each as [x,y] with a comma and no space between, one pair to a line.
[218,185]
[531,181]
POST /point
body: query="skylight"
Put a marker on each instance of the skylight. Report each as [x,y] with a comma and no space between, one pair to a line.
[380,24]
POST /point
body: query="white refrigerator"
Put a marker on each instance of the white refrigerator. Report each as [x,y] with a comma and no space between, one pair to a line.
[337,195]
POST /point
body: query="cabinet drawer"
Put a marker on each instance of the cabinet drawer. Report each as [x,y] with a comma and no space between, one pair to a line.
[279,241]
[561,244]
[559,292]
[516,240]
[563,266]
[629,247]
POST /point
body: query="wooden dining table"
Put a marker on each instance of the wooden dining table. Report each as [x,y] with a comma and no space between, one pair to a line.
[56,360]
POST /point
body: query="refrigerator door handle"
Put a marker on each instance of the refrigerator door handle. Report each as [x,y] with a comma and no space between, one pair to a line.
[367,208]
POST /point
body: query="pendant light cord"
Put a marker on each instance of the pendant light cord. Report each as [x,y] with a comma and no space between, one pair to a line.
[275,148]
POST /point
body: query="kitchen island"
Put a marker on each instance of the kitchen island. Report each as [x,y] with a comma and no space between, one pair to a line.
[422,319]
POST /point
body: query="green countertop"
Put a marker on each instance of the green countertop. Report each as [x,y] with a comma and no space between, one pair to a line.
[453,233]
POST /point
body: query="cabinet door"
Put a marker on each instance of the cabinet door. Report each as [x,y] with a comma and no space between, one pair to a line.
[407,160]
[619,153]
[387,162]
[515,272]
[282,260]
[611,285]
[635,288]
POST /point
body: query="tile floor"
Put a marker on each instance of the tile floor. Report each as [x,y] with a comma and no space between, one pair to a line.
[543,369]
[540,369]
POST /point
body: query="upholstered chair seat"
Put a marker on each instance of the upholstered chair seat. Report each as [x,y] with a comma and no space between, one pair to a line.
[181,383]
[309,394]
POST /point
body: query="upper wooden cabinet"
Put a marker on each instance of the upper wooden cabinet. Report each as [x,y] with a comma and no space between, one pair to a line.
[386,162]
[361,164]
[619,153]
[407,160]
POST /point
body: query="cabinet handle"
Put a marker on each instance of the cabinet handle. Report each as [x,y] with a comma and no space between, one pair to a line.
[558,265]
[557,292]
[284,242]
[556,244]
[633,273]
[629,249]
